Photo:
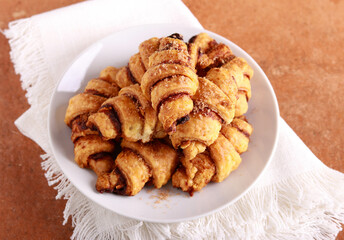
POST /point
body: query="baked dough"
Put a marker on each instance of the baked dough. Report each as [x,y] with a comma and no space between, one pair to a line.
[129,115]
[217,63]
[170,81]
[90,150]
[218,161]
[137,164]
[212,108]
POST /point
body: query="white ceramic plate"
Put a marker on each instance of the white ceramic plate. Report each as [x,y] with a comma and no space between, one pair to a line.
[168,204]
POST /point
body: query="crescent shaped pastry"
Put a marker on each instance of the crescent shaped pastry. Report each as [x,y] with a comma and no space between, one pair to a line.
[129,115]
[170,82]
[137,164]
[218,161]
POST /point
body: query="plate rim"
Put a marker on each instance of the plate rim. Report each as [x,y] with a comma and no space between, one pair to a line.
[207,213]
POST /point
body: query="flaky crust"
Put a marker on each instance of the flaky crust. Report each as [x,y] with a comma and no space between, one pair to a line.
[200,131]
[161,159]
[217,62]
[238,132]
[129,115]
[83,103]
[147,48]
[202,168]
[123,115]
[242,73]
[210,96]
[211,108]
[93,152]
[100,87]
[198,45]
[136,165]
[136,67]
[169,82]
[145,108]
[223,156]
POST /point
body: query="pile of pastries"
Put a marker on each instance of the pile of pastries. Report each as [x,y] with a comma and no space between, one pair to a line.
[174,112]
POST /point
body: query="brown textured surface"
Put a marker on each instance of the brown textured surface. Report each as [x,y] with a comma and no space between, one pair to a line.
[299,45]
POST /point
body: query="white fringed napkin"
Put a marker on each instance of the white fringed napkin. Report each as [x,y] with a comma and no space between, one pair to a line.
[298,197]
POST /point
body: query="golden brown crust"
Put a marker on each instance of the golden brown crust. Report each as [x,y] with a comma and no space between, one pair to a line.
[225,158]
[222,155]
[242,73]
[147,48]
[80,128]
[171,56]
[121,109]
[103,88]
[85,151]
[194,174]
[201,128]
[134,169]
[173,109]
[136,67]
[145,108]
[161,159]
[211,108]
[225,81]
[83,103]
[109,74]
[165,70]
[124,77]
[198,45]
[218,55]
[129,115]
[171,86]
[165,84]
[238,133]
[210,96]
[137,164]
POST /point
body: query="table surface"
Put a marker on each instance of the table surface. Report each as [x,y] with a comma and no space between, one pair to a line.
[299,45]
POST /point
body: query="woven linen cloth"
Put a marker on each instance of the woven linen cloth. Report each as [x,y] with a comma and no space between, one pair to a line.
[297,197]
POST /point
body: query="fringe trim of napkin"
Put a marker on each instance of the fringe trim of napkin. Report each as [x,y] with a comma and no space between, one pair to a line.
[308,206]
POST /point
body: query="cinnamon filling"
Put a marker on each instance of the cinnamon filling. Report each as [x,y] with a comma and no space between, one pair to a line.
[207,112]
[171,98]
[79,123]
[171,46]
[178,61]
[138,105]
[112,114]
[244,91]
[96,92]
[248,76]
[121,185]
[241,130]
[193,39]
[176,36]
[130,75]
[99,155]
[182,120]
